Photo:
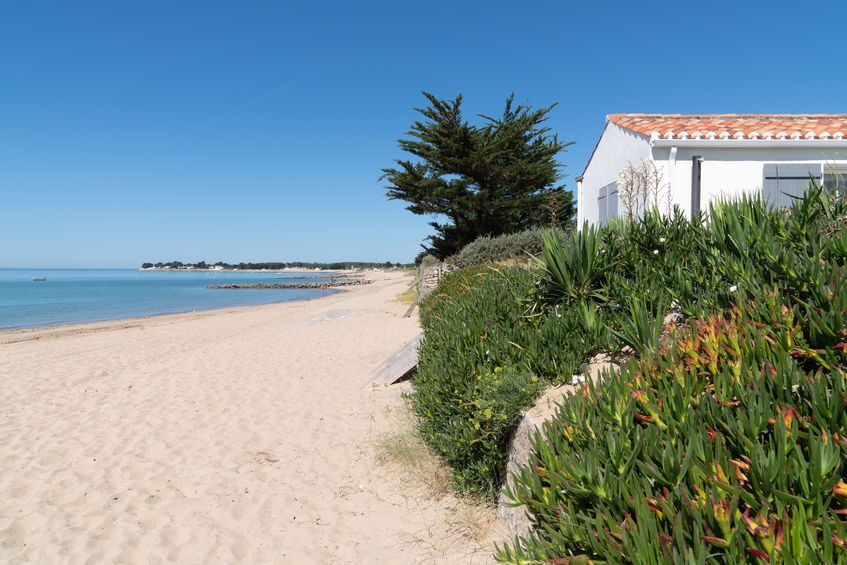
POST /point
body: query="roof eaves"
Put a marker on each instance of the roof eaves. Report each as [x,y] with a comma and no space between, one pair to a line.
[748,142]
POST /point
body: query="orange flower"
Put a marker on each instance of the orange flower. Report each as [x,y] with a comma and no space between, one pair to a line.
[840,489]
[739,467]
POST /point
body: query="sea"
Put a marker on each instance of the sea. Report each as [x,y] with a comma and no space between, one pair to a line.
[49,297]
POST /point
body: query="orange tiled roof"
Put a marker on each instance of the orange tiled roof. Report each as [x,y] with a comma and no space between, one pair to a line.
[735,126]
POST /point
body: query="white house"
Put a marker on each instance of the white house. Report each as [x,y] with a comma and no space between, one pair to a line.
[700,158]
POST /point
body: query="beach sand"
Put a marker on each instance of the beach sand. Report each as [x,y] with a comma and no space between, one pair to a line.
[244,435]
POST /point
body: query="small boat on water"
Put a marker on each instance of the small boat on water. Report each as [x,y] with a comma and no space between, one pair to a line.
[38,279]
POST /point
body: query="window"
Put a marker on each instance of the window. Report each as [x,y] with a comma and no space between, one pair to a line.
[607,203]
[835,178]
[785,182]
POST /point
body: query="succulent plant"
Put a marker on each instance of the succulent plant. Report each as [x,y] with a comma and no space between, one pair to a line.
[723,441]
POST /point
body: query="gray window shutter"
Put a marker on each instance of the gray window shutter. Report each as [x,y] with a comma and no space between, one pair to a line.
[783,182]
[601,206]
[612,201]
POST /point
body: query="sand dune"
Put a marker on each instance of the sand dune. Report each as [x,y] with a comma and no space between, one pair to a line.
[246,435]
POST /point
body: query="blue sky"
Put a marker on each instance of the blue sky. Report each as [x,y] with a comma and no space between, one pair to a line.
[257,131]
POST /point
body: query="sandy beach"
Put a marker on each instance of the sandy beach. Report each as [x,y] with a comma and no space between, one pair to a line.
[248,435]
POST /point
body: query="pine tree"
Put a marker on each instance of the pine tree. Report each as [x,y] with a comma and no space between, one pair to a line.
[486,179]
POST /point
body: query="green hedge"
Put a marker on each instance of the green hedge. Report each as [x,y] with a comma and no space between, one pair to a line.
[485,357]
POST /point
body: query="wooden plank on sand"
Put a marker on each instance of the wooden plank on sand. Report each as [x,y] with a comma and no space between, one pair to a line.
[400,366]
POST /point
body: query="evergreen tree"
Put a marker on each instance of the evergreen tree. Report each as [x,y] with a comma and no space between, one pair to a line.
[486,179]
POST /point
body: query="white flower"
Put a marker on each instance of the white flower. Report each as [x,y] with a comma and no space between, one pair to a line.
[655,252]
[661,240]
[733,288]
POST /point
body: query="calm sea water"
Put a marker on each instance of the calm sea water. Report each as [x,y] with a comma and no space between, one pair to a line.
[87,295]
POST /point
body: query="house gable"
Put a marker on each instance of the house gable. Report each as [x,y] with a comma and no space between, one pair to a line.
[616,149]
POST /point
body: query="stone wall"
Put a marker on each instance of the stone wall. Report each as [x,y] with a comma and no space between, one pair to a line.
[431,276]
[521,445]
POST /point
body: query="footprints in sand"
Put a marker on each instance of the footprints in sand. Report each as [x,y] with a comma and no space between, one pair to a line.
[265,457]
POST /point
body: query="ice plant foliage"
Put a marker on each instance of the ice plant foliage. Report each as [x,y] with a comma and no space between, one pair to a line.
[724,441]
[726,445]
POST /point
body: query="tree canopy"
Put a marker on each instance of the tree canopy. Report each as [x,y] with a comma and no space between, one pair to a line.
[489,179]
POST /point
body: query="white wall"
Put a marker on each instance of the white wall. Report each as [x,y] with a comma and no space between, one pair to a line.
[675,171]
[730,172]
[617,148]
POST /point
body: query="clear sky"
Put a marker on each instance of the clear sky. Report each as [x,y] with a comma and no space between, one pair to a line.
[135,131]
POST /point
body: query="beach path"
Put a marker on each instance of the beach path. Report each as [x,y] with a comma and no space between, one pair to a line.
[244,435]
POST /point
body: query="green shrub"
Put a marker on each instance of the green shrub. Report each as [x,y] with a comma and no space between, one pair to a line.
[700,267]
[485,357]
[725,442]
[487,250]
[428,260]
[470,386]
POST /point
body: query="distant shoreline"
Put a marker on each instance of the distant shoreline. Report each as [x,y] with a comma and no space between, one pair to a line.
[283,266]
[285,270]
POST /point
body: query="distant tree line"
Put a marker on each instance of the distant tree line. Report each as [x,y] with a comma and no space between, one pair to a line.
[275,266]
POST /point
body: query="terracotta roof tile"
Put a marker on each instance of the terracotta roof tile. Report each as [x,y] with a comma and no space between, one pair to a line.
[736,126]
